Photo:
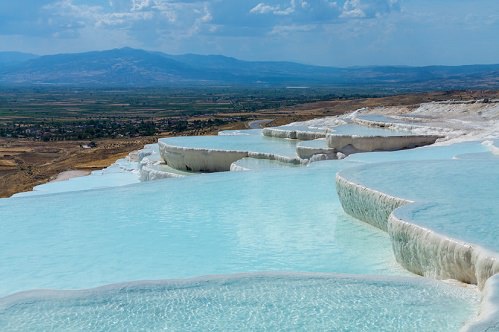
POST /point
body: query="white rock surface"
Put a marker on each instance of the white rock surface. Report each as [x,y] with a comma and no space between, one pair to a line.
[488,319]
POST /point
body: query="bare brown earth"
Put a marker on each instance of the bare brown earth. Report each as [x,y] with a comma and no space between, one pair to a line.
[27,163]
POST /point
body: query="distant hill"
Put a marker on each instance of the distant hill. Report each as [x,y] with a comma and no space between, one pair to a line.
[128,67]
[14,58]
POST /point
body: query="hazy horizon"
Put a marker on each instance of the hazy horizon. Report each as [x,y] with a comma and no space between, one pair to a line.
[338,33]
[263,60]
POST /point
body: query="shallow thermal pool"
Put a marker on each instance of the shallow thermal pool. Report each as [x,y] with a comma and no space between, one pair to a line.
[422,153]
[253,164]
[246,143]
[385,119]
[478,156]
[237,132]
[273,220]
[292,127]
[273,302]
[358,130]
[314,143]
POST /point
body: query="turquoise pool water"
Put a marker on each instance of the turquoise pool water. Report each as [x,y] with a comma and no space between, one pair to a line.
[253,143]
[302,128]
[315,143]
[276,302]
[287,220]
[422,153]
[278,220]
[358,130]
[253,164]
[244,132]
[477,156]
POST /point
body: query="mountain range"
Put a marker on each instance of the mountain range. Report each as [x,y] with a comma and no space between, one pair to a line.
[127,67]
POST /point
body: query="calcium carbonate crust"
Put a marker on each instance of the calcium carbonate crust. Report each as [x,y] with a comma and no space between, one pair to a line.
[307,152]
[378,143]
[420,250]
[150,173]
[293,134]
[234,167]
[210,160]
[424,251]
[398,125]
[368,205]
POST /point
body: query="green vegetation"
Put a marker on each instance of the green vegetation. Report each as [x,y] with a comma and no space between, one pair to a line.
[75,114]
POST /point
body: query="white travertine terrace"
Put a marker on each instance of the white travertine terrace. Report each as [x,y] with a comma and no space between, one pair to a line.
[368,205]
[151,172]
[290,133]
[234,167]
[415,125]
[212,160]
[443,123]
[426,252]
[199,160]
[308,152]
[420,250]
[354,143]
[456,120]
[151,166]
[423,250]
[347,143]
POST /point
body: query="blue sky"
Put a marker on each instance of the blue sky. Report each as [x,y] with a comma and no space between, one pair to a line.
[324,32]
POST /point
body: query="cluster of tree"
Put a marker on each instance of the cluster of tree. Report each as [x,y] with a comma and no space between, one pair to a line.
[101,128]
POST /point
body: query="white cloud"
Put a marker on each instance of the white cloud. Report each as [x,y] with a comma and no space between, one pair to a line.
[183,18]
[289,29]
[151,23]
[138,5]
[368,8]
[153,16]
[353,8]
[328,10]
[263,8]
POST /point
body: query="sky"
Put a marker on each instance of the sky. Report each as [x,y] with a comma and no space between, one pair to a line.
[321,32]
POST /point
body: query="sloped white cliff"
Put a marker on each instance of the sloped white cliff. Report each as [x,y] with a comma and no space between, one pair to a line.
[429,250]
[368,205]
[217,153]
[427,238]
[354,143]
[295,132]
[309,149]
